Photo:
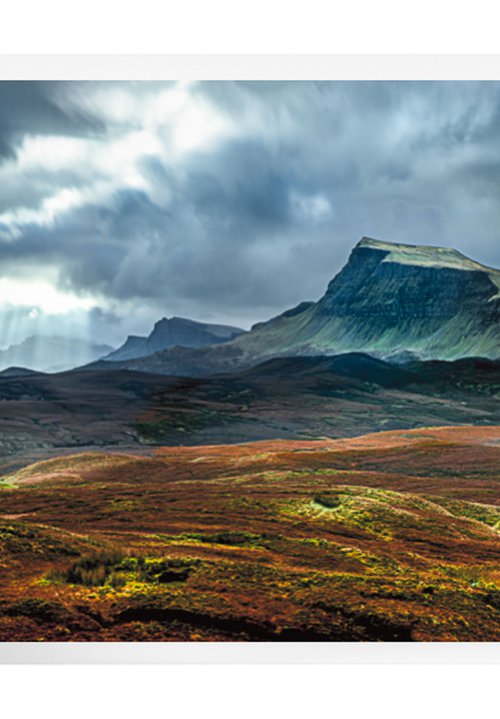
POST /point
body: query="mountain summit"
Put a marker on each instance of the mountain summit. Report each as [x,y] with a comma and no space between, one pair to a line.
[389,299]
[172,332]
[425,256]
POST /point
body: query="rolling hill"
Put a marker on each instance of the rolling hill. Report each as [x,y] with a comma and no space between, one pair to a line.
[387,537]
[285,397]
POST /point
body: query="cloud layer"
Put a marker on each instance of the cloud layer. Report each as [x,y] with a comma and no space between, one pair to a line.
[233,201]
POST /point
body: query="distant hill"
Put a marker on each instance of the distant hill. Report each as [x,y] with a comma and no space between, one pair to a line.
[356,366]
[285,397]
[391,301]
[50,354]
[17,372]
[173,332]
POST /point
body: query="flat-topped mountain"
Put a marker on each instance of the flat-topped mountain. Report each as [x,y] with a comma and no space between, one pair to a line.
[173,332]
[431,301]
[425,256]
[389,300]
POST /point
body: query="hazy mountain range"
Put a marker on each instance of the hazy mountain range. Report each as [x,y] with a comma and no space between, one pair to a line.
[51,354]
[392,301]
[57,354]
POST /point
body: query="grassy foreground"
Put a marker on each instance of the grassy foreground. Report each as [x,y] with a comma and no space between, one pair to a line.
[387,537]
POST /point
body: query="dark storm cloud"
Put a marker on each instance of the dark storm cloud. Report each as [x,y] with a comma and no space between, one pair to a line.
[257,206]
[40,108]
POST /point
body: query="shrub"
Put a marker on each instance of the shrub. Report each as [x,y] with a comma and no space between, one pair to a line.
[111,568]
[93,570]
[329,501]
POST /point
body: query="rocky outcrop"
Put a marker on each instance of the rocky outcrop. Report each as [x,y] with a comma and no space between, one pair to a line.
[431,301]
[174,332]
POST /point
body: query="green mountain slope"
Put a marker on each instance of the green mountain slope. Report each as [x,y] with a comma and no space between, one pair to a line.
[431,302]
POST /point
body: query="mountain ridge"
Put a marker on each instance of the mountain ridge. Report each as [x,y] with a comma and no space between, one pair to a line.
[431,302]
[171,332]
[429,255]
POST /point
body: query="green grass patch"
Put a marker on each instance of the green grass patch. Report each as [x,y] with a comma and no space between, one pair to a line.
[487,514]
[227,537]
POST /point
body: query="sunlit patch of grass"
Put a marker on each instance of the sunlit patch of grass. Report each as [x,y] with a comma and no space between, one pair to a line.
[67,466]
[473,575]
[227,537]
[345,507]
[6,483]
[485,513]
[375,563]
[383,513]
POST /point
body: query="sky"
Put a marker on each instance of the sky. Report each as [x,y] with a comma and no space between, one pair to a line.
[124,202]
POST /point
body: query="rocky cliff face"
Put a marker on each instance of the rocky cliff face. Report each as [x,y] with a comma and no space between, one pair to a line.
[377,284]
[427,302]
[430,301]
[174,332]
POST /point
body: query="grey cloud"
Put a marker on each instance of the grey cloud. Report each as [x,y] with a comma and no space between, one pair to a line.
[39,108]
[230,230]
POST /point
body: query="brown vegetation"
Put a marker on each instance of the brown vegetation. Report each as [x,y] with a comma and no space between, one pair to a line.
[392,536]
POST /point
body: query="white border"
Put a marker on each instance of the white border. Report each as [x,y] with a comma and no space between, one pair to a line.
[250,653]
[249,67]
